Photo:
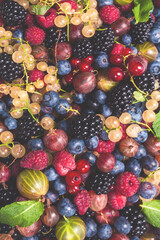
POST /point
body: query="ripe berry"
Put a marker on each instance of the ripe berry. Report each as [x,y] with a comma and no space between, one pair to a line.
[127,51]
[89,59]
[69,78]
[73,178]
[75,62]
[116,74]
[116,59]
[73,189]
[83,166]
[84,66]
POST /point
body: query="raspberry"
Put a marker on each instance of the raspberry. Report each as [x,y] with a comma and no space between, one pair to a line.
[116,200]
[64,162]
[30,21]
[82,201]
[36,160]
[47,20]
[35,35]
[105,147]
[35,75]
[117,49]
[109,14]
[127,184]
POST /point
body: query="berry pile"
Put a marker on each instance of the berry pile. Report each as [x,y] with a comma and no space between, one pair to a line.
[79,120]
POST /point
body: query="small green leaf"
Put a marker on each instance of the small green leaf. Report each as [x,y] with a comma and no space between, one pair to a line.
[38,10]
[142,10]
[156,125]
[138,96]
[152,211]
[21,214]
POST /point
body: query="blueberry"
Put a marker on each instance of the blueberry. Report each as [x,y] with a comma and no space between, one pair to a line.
[76,146]
[79,98]
[88,110]
[126,39]
[50,99]
[3,106]
[46,109]
[118,168]
[102,3]
[157,24]
[63,106]
[133,199]
[149,163]
[105,111]
[35,144]
[118,155]
[92,104]
[155,35]
[5,114]
[18,35]
[48,115]
[51,174]
[92,142]
[53,197]
[63,124]
[141,152]
[101,61]
[147,190]
[154,68]
[135,51]
[66,207]
[91,227]
[104,135]
[60,186]
[156,13]
[90,157]
[142,137]
[30,238]
[134,238]
[64,67]
[136,114]
[10,123]
[133,166]
[122,225]
[104,231]
[100,96]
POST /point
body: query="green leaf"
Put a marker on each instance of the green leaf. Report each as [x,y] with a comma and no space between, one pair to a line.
[22,214]
[156,125]
[152,211]
[38,10]
[142,10]
[138,96]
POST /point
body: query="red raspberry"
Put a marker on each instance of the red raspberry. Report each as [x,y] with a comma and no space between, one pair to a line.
[35,75]
[109,14]
[35,35]
[105,147]
[36,160]
[64,162]
[82,201]
[127,184]
[73,4]
[30,21]
[47,20]
[117,49]
[116,200]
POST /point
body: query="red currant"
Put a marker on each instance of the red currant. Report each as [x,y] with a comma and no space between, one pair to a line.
[69,78]
[116,74]
[75,62]
[84,66]
[73,189]
[73,178]
[116,59]
[89,59]
[83,166]
[127,51]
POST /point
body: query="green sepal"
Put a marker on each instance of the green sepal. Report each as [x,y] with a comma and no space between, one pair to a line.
[142,10]
[38,10]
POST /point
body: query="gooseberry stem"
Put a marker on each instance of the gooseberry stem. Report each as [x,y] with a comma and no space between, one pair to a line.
[66,219]
[149,175]
[144,124]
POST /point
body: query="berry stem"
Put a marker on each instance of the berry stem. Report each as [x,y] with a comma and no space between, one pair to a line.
[144,124]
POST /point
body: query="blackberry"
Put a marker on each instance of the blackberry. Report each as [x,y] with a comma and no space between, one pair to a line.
[82,48]
[8,193]
[27,128]
[52,36]
[13,13]
[46,231]
[103,40]
[7,160]
[121,97]
[4,228]
[100,182]
[140,32]
[87,126]
[145,82]
[9,70]
[136,219]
